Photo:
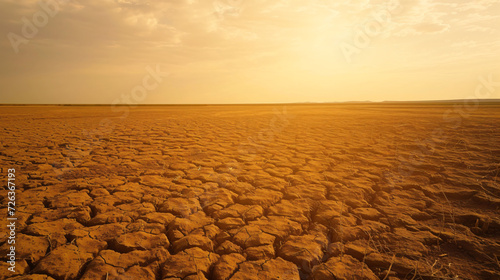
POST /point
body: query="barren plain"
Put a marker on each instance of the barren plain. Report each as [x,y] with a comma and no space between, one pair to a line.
[314,192]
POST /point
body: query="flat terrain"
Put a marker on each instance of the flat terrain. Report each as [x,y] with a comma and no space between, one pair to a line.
[353,191]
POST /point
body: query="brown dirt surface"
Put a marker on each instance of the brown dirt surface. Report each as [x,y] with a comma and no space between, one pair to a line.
[293,192]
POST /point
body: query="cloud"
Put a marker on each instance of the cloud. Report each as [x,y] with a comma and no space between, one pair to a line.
[478,5]
[105,43]
[419,17]
[424,28]
[464,44]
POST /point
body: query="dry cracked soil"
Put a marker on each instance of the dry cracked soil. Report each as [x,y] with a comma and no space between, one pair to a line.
[313,192]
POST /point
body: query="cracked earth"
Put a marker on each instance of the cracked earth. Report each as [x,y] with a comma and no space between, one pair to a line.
[310,192]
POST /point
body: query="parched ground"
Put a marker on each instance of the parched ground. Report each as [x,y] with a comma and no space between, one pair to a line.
[289,192]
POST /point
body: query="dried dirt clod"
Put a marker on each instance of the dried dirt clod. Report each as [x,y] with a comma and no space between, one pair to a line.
[180,207]
[228,247]
[192,240]
[239,187]
[81,214]
[267,270]
[230,223]
[181,166]
[211,231]
[409,243]
[114,216]
[47,228]
[335,249]
[226,266]
[139,241]
[31,248]
[260,252]
[134,179]
[106,232]
[425,237]
[327,211]
[89,245]
[181,227]
[400,265]
[139,209]
[262,197]
[279,171]
[63,263]
[342,268]
[99,192]
[245,212]
[251,236]
[157,217]
[68,199]
[135,257]
[346,234]
[480,250]
[187,262]
[310,191]
[152,228]
[224,236]
[138,272]
[305,251]
[297,210]
[358,250]
[21,268]
[351,196]
[217,196]
[98,269]
[367,213]
[115,265]
[280,227]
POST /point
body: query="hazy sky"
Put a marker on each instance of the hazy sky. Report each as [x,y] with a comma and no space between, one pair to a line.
[239,51]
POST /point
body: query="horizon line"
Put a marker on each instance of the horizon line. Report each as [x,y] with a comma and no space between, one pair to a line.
[496,100]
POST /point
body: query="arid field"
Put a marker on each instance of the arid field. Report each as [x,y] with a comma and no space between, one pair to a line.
[289,192]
